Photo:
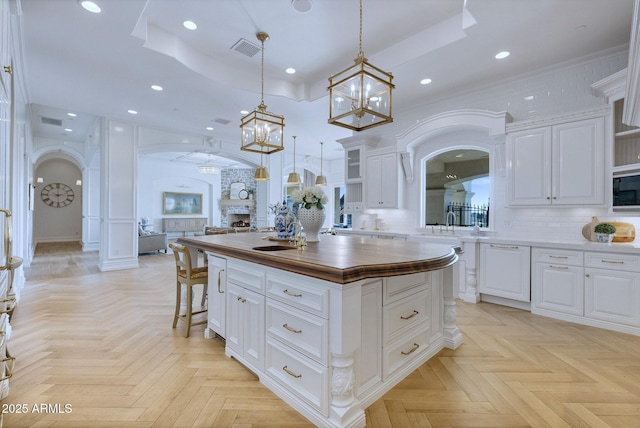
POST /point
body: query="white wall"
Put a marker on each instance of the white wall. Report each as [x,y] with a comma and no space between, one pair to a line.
[156,177]
[556,92]
[62,224]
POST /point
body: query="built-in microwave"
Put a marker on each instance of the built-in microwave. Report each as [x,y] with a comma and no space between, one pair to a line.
[626,191]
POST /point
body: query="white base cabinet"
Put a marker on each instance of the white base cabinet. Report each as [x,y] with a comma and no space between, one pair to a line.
[505,271]
[558,275]
[601,289]
[245,313]
[216,289]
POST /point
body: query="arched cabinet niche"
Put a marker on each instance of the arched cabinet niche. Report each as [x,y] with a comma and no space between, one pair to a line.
[435,170]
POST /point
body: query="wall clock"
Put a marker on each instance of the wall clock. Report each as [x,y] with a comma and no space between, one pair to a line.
[57,195]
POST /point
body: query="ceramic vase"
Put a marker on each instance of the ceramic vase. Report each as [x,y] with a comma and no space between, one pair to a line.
[311,220]
[284,220]
[604,237]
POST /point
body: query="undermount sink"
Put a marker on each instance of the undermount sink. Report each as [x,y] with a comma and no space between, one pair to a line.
[273,248]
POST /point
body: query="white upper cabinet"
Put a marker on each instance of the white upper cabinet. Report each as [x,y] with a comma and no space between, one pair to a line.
[557,165]
[382,181]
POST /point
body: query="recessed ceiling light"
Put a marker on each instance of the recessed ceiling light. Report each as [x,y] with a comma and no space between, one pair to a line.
[156,87]
[71,114]
[425,81]
[503,54]
[209,128]
[244,112]
[529,98]
[68,129]
[189,25]
[460,155]
[90,6]
[132,112]
[302,5]
[290,70]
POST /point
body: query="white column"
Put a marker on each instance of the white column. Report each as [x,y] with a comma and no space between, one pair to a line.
[119,243]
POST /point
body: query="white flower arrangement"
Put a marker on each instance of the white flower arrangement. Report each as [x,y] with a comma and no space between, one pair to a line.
[310,196]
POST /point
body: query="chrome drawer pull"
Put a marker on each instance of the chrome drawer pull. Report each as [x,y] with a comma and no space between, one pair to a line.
[617,262]
[558,267]
[290,373]
[410,316]
[289,293]
[219,281]
[511,247]
[293,330]
[240,299]
[551,256]
[414,349]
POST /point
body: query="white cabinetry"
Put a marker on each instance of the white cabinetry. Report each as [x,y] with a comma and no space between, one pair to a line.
[557,165]
[382,181]
[601,289]
[612,288]
[505,271]
[558,275]
[297,325]
[407,323]
[216,294]
[245,308]
[353,165]
[354,170]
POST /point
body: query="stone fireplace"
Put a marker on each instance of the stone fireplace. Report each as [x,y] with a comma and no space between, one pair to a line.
[238,219]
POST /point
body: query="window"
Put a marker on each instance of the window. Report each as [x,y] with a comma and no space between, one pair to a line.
[457,181]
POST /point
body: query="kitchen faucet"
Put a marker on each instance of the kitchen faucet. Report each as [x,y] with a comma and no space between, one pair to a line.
[451,214]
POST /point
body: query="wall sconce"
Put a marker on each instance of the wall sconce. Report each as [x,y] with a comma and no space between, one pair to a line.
[78,182]
[39,181]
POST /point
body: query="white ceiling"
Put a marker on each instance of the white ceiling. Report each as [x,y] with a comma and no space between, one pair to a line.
[103,64]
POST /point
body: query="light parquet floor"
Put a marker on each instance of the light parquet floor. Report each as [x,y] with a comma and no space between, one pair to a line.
[103,344]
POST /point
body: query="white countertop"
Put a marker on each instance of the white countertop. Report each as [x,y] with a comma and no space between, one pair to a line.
[579,243]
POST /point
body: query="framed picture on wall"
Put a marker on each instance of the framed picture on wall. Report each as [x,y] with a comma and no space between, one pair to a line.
[181,203]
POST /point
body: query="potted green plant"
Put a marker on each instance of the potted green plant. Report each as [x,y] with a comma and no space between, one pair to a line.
[604,232]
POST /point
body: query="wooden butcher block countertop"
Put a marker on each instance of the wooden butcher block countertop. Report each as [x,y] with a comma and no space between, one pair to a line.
[338,259]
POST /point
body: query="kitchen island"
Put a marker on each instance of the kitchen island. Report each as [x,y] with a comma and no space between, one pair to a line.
[333,326]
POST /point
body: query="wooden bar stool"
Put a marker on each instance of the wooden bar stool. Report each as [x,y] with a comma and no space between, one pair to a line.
[189,276]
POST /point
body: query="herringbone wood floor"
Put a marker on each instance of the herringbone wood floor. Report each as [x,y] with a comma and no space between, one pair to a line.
[103,343]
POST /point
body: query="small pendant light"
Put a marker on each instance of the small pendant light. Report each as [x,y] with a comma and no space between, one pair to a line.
[294,177]
[261,173]
[321,180]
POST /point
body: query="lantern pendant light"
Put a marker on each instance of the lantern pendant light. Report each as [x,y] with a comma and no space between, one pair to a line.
[261,173]
[360,96]
[294,177]
[262,131]
[321,180]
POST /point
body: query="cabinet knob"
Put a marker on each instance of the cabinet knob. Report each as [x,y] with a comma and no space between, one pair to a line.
[587,275]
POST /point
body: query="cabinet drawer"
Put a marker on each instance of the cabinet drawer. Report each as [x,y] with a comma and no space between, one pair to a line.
[246,275]
[302,376]
[400,316]
[556,256]
[300,330]
[398,354]
[613,261]
[302,292]
[398,287]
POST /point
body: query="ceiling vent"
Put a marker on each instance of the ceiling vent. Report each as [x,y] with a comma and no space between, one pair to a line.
[245,47]
[221,121]
[50,121]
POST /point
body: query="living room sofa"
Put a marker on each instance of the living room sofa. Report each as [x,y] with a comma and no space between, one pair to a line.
[149,241]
